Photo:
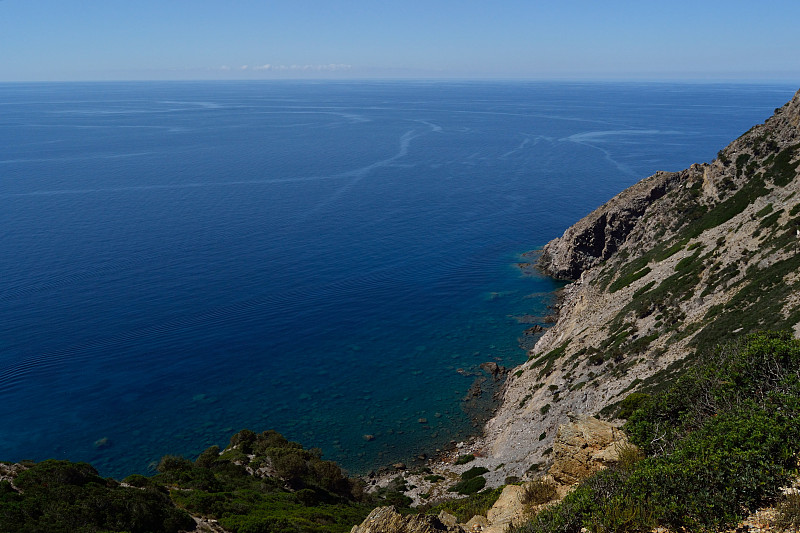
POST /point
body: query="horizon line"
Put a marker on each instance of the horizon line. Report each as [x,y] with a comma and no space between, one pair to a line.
[555,79]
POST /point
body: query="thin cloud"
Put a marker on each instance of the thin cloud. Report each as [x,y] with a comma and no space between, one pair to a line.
[331,67]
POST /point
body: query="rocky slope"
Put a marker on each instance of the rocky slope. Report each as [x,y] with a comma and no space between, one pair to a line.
[669,268]
[583,446]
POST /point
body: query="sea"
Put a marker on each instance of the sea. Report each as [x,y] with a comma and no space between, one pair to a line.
[332,260]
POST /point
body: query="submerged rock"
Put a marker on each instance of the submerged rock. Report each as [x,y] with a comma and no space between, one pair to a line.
[492,368]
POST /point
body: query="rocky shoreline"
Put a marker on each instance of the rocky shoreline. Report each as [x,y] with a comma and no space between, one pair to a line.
[442,462]
[673,265]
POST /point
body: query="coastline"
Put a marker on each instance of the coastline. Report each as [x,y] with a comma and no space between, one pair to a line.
[444,461]
[203,354]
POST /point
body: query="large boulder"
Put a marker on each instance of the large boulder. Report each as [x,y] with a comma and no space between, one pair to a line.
[584,446]
[508,510]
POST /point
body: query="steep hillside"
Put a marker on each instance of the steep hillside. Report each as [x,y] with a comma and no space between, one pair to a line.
[671,266]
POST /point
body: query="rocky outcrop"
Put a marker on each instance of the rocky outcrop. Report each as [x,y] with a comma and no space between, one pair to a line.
[9,471]
[585,446]
[509,509]
[669,268]
[598,235]
[387,519]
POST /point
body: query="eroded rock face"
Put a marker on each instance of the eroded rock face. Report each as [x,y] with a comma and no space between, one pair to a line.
[388,520]
[508,510]
[584,446]
[598,235]
[9,471]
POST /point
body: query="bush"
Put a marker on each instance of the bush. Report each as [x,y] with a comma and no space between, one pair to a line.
[310,495]
[474,471]
[174,463]
[624,281]
[565,517]
[631,402]
[538,492]
[208,458]
[464,459]
[244,441]
[307,497]
[469,486]
[290,466]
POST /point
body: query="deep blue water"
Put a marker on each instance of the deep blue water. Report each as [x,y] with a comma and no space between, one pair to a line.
[182,260]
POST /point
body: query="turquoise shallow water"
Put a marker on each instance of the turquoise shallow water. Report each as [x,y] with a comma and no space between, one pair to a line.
[183,260]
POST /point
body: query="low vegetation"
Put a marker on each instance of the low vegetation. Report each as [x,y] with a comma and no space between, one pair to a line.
[719,443]
[259,483]
[789,512]
[464,459]
[465,508]
[470,485]
[263,482]
[538,492]
[60,496]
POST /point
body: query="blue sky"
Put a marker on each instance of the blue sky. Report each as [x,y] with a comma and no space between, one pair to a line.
[243,39]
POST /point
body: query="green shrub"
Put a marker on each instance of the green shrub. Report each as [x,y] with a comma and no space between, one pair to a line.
[764,211]
[307,497]
[469,486]
[208,457]
[137,480]
[771,220]
[741,161]
[686,262]
[727,209]
[291,466]
[567,516]
[474,471]
[631,402]
[243,440]
[464,459]
[319,496]
[538,492]
[643,289]
[624,281]
[783,171]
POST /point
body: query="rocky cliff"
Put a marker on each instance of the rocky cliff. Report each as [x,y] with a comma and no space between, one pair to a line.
[664,271]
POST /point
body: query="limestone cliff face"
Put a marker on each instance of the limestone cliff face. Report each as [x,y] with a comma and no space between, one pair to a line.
[664,271]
